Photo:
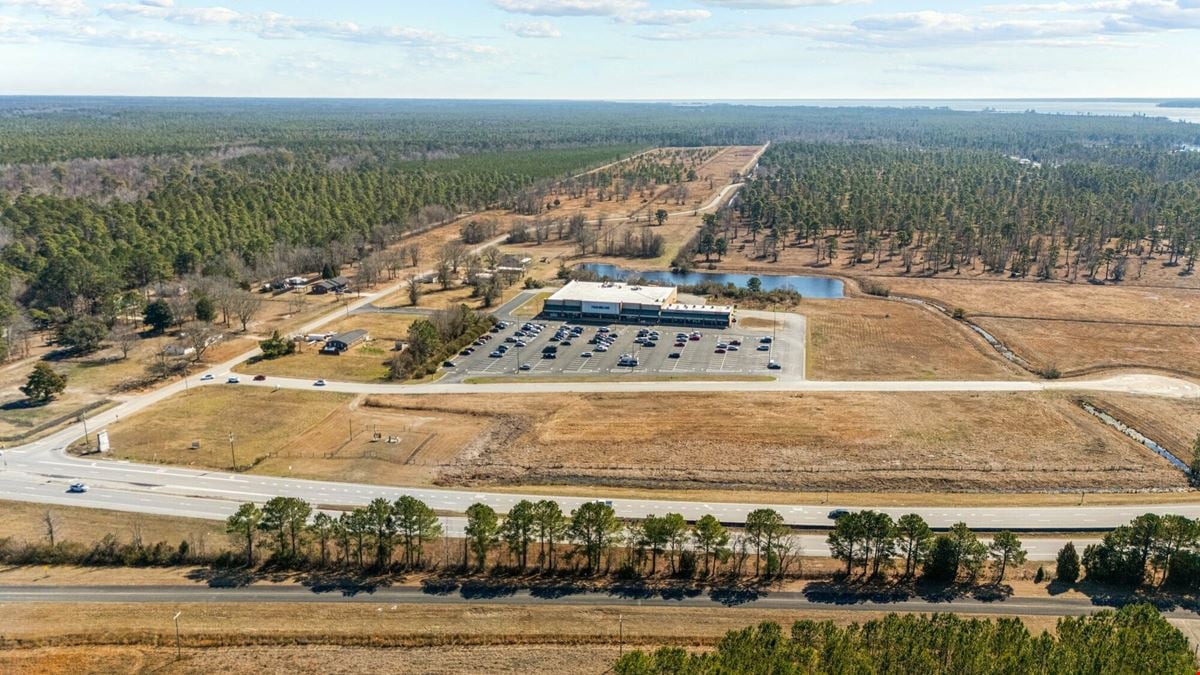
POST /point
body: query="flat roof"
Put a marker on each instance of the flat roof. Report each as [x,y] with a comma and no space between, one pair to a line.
[707,309]
[591,291]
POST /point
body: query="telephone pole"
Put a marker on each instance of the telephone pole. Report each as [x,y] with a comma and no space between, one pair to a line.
[232,454]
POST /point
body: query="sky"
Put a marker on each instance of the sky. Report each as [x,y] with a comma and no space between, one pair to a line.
[603,49]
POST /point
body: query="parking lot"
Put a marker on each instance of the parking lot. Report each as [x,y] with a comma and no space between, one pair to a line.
[730,352]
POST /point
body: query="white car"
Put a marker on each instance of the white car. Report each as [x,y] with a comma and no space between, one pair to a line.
[207,377]
[319,383]
[77,487]
[233,379]
[586,355]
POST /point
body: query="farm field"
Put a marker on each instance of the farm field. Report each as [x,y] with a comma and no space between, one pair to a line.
[872,339]
[850,442]
[295,433]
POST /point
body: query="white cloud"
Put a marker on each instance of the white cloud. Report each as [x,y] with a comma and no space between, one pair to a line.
[66,8]
[533,29]
[665,17]
[277,26]
[570,7]
[1067,26]
[776,4]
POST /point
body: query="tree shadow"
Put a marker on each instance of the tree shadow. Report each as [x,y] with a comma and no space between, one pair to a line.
[23,404]
[223,577]
[348,585]
[476,589]
[732,596]
[857,592]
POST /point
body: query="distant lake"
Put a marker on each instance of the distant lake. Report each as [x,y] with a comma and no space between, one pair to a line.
[806,286]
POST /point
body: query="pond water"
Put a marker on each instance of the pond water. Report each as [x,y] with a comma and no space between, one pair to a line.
[806,286]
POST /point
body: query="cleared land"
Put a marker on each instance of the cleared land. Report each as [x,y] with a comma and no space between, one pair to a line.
[273,638]
[1078,347]
[737,441]
[852,442]
[865,338]
[1172,423]
[316,435]
[24,522]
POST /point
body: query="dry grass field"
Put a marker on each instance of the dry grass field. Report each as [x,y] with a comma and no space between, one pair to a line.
[23,522]
[858,442]
[1057,300]
[316,435]
[1172,423]
[873,339]
[351,638]
[1077,347]
[852,442]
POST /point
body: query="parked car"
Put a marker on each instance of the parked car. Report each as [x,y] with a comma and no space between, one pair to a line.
[601,348]
[766,339]
[732,348]
[735,342]
[549,355]
[718,350]
[77,487]
[526,366]
[447,364]
[586,355]
[774,365]
[694,338]
[764,348]
[674,355]
[495,354]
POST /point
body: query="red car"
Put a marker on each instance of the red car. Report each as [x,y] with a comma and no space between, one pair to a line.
[680,344]
[718,350]
[259,378]
[695,338]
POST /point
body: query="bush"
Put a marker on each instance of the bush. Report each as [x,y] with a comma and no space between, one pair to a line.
[875,288]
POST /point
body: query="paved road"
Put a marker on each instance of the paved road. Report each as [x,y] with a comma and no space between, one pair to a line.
[558,595]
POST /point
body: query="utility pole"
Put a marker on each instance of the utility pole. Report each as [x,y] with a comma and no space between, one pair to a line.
[350,425]
[177,643]
[621,633]
[86,439]
[232,454]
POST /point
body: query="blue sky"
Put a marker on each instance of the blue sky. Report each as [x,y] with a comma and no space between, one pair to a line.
[614,49]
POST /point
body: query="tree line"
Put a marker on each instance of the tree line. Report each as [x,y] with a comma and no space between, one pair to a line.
[1134,639]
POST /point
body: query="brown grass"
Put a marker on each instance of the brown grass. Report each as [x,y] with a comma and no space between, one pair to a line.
[1172,423]
[852,442]
[23,522]
[1075,347]
[295,433]
[872,339]
[365,362]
